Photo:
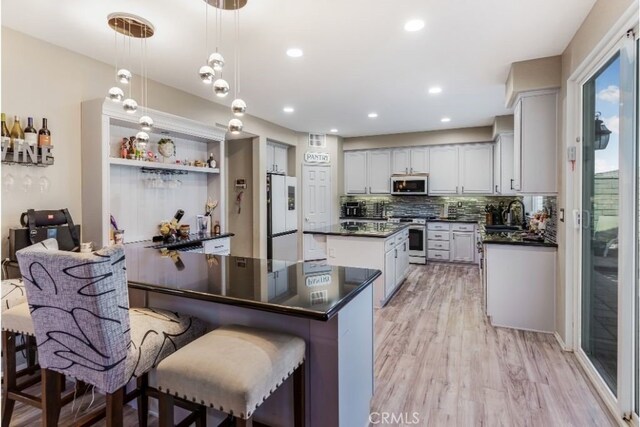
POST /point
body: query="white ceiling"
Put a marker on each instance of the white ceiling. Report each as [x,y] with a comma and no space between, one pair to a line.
[357,56]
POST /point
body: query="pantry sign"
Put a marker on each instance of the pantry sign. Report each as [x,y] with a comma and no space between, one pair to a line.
[316,157]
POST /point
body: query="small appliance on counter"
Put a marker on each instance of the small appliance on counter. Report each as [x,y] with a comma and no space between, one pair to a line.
[354,209]
[41,225]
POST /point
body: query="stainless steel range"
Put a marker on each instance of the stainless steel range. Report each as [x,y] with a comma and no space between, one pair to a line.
[417,237]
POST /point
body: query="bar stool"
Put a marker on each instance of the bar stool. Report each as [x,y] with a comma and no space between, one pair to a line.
[85,329]
[233,369]
[13,294]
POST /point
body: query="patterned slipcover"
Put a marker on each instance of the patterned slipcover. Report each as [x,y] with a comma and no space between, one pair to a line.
[12,293]
[84,328]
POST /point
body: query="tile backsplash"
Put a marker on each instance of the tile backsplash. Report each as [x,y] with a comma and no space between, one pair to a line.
[459,207]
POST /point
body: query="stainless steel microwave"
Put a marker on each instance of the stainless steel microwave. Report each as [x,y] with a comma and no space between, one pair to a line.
[410,184]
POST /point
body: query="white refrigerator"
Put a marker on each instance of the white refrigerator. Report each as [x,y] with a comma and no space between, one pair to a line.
[282,218]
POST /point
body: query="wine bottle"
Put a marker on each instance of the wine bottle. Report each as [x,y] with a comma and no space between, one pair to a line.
[17,135]
[6,136]
[30,133]
[177,217]
[44,135]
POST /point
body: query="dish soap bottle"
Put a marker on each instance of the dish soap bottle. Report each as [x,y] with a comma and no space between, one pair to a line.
[216,228]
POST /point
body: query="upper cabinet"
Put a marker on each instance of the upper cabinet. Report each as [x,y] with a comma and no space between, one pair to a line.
[535,143]
[476,168]
[367,172]
[355,172]
[503,165]
[443,170]
[453,169]
[379,171]
[410,161]
[277,158]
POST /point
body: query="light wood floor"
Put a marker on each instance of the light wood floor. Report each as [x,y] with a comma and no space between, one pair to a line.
[437,356]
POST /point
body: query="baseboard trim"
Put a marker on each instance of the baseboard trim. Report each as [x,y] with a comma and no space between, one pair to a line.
[563,346]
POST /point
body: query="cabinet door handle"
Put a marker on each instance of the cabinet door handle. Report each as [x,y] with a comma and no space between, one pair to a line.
[463,188]
[369,189]
[411,170]
[496,188]
[406,170]
[512,183]
[456,189]
[396,253]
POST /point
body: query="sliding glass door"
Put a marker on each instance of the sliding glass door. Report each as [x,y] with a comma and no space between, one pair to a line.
[600,219]
[610,224]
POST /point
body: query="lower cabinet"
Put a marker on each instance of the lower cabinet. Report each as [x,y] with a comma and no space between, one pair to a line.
[463,247]
[451,241]
[396,262]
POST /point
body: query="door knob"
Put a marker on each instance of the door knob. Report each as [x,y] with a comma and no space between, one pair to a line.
[306,219]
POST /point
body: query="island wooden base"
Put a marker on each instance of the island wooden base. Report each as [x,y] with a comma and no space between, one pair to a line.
[339,362]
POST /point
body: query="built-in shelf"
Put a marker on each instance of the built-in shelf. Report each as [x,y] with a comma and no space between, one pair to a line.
[164,166]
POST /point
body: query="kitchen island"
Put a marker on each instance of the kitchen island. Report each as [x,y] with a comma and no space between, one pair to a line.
[519,280]
[379,245]
[330,307]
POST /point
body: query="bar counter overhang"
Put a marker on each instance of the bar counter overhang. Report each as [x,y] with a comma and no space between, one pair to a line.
[330,307]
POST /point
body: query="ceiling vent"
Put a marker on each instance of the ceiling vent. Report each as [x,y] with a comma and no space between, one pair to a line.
[317,140]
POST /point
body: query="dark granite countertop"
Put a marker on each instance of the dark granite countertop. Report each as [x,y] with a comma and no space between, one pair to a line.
[514,238]
[363,218]
[192,240]
[361,229]
[312,290]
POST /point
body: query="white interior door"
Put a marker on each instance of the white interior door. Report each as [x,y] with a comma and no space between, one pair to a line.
[316,195]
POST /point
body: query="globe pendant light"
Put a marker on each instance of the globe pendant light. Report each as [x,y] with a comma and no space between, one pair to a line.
[116,94]
[238,107]
[142,138]
[207,74]
[130,26]
[146,123]
[235,126]
[221,88]
[130,105]
[123,76]
[216,60]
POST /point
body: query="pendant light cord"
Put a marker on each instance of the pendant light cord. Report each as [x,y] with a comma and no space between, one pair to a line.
[206,30]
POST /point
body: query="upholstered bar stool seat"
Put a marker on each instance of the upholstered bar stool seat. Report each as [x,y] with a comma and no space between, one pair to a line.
[18,320]
[12,293]
[232,369]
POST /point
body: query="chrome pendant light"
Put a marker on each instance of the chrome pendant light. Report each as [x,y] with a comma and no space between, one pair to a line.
[238,106]
[130,27]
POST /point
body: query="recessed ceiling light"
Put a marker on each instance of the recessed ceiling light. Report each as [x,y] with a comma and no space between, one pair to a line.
[435,89]
[445,120]
[295,52]
[414,25]
[334,130]
[288,109]
[373,115]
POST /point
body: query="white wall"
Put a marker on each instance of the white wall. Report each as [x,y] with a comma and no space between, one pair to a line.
[43,80]
[437,137]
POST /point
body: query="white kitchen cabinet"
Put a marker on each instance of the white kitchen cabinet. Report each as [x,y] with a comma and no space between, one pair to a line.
[463,246]
[443,170]
[355,172]
[389,272]
[379,171]
[503,165]
[535,143]
[476,169]
[525,300]
[277,158]
[401,161]
[278,279]
[407,161]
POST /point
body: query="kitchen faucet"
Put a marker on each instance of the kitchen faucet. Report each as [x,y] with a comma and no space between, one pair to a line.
[524,216]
